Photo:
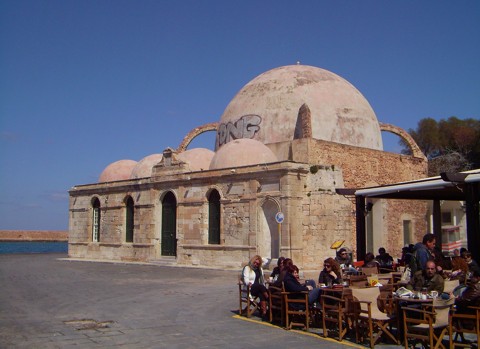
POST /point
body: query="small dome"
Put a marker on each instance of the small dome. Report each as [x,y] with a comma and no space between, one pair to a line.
[144,167]
[198,159]
[117,171]
[242,152]
[267,109]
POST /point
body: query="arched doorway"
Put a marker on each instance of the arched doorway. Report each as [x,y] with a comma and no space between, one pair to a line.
[268,238]
[169,225]
[214,218]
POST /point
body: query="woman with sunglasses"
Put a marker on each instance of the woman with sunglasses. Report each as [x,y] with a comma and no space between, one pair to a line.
[331,273]
[252,274]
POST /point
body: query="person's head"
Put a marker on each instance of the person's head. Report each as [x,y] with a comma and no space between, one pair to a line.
[287,262]
[429,241]
[462,250]
[381,251]
[456,252]
[293,269]
[369,257]
[280,262]
[467,255]
[342,253]
[256,262]
[331,264]
[430,269]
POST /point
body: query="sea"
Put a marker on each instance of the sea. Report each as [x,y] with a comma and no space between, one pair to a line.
[9,247]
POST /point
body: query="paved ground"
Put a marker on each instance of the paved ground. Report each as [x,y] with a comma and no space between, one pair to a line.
[49,302]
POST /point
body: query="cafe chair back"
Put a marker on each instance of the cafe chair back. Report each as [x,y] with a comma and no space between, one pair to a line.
[461,323]
[369,319]
[276,304]
[297,310]
[450,285]
[334,311]
[248,304]
[428,325]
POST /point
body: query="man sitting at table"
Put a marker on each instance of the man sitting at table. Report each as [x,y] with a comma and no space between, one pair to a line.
[427,279]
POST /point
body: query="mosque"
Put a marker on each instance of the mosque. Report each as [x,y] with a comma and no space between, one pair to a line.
[284,144]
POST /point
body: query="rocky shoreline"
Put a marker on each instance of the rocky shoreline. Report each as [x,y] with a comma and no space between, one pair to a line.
[33,235]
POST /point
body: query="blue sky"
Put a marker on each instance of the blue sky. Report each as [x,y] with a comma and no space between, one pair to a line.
[86,83]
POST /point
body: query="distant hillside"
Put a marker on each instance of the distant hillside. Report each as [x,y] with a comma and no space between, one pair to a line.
[33,235]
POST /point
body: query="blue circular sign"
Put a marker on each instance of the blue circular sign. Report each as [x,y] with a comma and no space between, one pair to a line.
[279,217]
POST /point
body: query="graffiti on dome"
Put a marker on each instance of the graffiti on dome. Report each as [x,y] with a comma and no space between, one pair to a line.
[245,127]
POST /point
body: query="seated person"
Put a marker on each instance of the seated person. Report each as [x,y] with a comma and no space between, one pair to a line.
[345,262]
[459,270]
[427,279]
[469,297]
[331,273]
[287,262]
[276,271]
[252,274]
[472,265]
[384,259]
[370,262]
[292,284]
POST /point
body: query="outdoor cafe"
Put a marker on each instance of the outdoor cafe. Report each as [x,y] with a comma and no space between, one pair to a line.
[373,306]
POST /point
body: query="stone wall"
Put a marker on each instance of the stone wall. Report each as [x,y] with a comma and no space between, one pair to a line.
[303,189]
[33,235]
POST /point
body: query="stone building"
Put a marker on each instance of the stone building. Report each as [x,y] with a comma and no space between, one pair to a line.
[286,141]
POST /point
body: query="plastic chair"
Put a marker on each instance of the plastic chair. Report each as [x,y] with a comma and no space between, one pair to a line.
[369,318]
[429,326]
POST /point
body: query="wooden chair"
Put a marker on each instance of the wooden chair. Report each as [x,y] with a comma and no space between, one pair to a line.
[369,318]
[369,271]
[450,285]
[248,304]
[334,311]
[358,281]
[386,278]
[429,326]
[296,308]
[464,323]
[276,304]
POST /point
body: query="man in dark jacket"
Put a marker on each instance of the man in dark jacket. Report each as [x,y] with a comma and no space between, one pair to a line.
[469,297]
[424,251]
[427,279]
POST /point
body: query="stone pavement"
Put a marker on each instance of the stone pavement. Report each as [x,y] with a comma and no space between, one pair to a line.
[49,302]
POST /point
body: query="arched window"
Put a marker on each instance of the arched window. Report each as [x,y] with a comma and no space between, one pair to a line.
[214,218]
[129,219]
[96,220]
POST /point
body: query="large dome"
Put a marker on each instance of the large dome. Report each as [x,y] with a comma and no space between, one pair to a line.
[117,171]
[197,159]
[144,167]
[267,109]
[242,152]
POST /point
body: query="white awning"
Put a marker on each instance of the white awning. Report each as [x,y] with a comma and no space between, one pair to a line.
[413,186]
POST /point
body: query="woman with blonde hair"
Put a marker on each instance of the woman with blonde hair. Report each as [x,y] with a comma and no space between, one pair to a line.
[252,274]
